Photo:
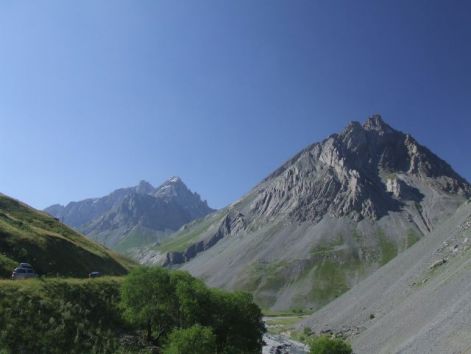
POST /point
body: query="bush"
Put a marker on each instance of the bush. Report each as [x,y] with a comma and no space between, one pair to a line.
[59,316]
[195,340]
[326,345]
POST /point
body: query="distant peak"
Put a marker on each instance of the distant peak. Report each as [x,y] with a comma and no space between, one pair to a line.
[144,187]
[175,179]
[172,183]
[353,126]
[376,123]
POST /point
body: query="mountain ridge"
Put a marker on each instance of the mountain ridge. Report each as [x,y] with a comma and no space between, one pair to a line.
[338,209]
[134,215]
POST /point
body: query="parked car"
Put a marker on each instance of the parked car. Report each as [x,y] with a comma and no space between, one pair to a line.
[23,271]
[94,275]
[25,265]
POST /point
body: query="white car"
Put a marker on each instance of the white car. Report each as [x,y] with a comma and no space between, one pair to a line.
[23,271]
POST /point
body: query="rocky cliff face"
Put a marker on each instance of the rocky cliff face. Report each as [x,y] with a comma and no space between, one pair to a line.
[358,173]
[324,220]
[130,217]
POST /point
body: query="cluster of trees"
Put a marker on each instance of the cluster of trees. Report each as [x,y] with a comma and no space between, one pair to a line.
[177,311]
[169,311]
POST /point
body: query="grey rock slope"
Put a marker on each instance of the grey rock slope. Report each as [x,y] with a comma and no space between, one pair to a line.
[135,216]
[323,221]
[420,302]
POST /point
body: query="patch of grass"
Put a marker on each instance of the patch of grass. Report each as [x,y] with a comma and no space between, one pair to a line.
[263,280]
[411,238]
[325,248]
[387,247]
[136,239]
[185,238]
[329,282]
[279,325]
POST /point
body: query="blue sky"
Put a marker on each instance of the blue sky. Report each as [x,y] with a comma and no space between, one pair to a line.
[96,95]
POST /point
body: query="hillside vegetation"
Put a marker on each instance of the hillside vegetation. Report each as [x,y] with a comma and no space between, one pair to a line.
[148,311]
[27,235]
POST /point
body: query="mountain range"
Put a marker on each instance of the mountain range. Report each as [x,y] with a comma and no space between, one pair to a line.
[326,219]
[135,216]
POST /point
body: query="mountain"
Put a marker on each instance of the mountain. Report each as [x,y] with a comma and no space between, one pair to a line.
[135,216]
[323,221]
[417,303]
[28,235]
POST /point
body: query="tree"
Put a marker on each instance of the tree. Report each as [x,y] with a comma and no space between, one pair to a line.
[157,301]
[326,345]
[148,301]
[196,340]
[237,322]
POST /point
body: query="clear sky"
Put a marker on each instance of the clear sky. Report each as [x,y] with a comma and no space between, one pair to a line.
[97,95]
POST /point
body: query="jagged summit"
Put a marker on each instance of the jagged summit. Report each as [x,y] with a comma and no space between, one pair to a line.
[376,123]
[174,179]
[143,211]
[144,187]
[348,174]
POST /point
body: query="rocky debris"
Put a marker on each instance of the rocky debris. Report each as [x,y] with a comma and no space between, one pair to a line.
[280,344]
[456,244]
[344,332]
[438,263]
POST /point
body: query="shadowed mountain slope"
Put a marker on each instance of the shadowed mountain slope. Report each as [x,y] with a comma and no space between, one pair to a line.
[323,221]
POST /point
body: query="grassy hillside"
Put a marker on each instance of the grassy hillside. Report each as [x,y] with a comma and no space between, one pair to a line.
[27,235]
[60,316]
[145,312]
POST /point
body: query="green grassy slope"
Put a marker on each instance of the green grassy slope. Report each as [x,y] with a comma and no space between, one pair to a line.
[28,235]
[182,239]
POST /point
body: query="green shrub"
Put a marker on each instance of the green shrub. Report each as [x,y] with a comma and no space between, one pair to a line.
[59,316]
[196,340]
[326,345]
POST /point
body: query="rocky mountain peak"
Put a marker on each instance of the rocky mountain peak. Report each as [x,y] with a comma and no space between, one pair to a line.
[347,175]
[175,179]
[172,187]
[377,124]
[144,187]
